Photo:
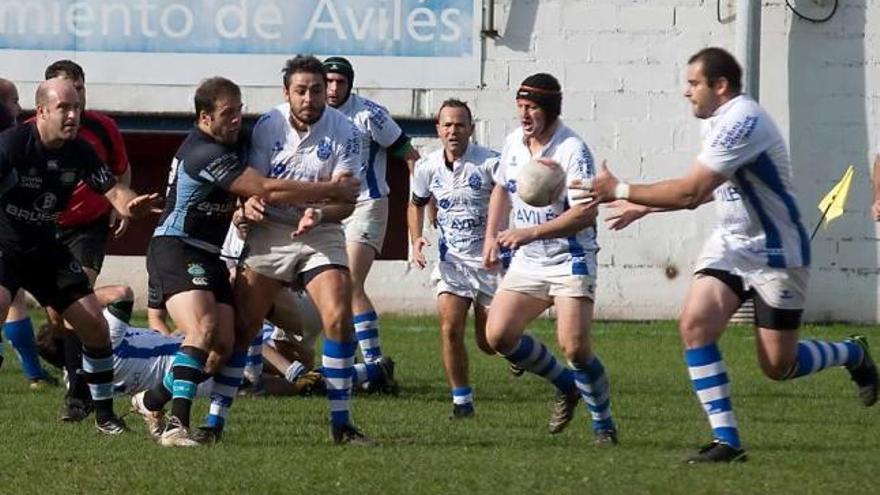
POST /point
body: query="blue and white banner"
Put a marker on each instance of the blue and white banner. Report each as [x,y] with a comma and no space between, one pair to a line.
[393,43]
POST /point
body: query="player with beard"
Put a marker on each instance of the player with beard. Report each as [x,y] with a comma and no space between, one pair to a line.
[759,249]
[303,139]
[186,273]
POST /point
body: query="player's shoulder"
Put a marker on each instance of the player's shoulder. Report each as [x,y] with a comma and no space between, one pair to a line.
[17,136]
[271,120]
[482,154]
[201,150]
[428,162]
[741,119]
[94,117]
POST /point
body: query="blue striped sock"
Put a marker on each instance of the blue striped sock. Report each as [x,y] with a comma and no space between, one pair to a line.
[254,364]
[463,396]
[366,328]
[97,364]
[187,370]
[814,356]
[709,378]
[338,363]
[361,374]
[592,382]
[21,335]
[223,390]
[533,356]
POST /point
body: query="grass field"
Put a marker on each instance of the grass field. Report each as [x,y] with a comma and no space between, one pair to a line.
[809,436]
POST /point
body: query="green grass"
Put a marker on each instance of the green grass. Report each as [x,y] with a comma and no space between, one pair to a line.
[808,436]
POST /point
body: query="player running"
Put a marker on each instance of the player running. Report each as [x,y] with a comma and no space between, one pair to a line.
[554,263]
[759,250]
[459,178]
[365,228]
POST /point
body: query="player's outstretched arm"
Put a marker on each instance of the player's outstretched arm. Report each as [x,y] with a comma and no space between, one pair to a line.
[131,205]
[687,192]
[343,188]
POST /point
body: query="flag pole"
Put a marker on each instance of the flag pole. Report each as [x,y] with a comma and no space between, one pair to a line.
[822,218]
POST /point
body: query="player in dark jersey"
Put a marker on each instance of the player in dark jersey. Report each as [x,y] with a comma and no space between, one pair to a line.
[40,164]
[85,227]
[186,274]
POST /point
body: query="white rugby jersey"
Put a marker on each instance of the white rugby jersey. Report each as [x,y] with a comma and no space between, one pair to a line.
[141,356]
[232,247]
[758,215]
[331,146]
[378,132]
[573,154]
[462,196]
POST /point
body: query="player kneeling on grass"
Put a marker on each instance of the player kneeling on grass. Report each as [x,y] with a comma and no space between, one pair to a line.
[554,262]
[459,178]
[759,250]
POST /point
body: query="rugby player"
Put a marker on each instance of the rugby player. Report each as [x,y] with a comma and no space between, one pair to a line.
[41,163]
[186,274]
[305,140]
[759,249]
[458,177]
[365,228]
[554,262]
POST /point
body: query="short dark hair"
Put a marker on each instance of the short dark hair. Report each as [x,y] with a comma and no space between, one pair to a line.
[302,63]
[454,103]
[210,90]
[717,63]
[67,68]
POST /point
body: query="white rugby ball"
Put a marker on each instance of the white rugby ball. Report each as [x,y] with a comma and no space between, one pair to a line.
[540,185]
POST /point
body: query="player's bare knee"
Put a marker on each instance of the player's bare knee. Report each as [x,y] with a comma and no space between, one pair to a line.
[777,370]
[93,333]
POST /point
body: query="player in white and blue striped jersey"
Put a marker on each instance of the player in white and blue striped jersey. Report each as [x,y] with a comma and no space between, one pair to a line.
[381,137]
[759,249]
[554,262]
[458,177]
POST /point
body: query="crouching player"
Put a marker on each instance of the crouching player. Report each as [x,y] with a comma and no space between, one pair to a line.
[459,178]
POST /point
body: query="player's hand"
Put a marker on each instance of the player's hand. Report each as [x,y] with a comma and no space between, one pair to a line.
[143,205]
[598,190]
[118,223]
[346,190]
[624,213]
[311,218]
[418,257]
[875,210]
[514,238]
[254,209]
[491,256]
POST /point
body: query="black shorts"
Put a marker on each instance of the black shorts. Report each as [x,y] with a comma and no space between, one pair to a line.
[88,242]
[766,316]
[49,272]
[174,266]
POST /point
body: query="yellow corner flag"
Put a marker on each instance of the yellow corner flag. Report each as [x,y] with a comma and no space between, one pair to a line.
[833,202]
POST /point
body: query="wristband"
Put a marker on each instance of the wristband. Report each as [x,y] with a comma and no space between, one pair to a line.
[318,214]
[294,371]
[621,190]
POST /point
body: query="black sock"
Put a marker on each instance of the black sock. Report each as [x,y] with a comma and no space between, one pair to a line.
[188,372]
[78,387]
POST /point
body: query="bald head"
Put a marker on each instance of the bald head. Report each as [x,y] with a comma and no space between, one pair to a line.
[9,99]
[58,111]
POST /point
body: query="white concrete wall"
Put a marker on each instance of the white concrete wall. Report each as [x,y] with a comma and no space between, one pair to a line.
[621,64]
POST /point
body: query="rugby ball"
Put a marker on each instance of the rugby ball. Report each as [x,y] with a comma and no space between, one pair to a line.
[539,184]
